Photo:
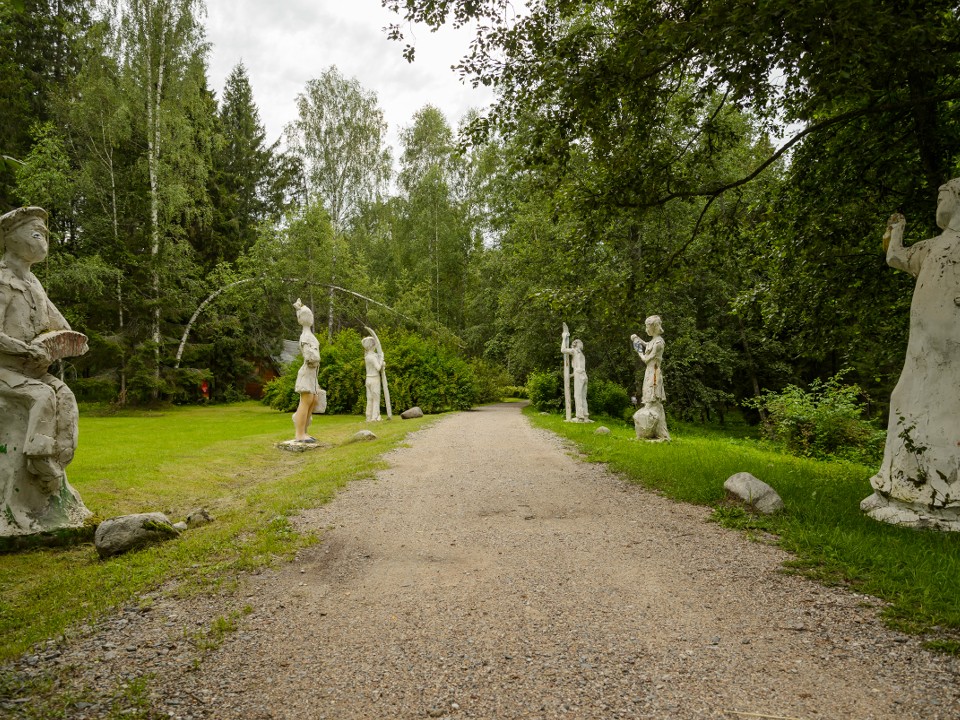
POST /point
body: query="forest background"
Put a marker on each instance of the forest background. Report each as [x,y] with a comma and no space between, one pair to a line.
[727,165]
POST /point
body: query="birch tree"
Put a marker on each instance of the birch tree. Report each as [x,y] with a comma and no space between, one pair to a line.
[162,53]
[340,137]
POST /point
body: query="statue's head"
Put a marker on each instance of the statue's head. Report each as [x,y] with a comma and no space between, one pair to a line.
[578,344]
[654,325]
[948,205]
[23,232]
[304,314]
[368,343]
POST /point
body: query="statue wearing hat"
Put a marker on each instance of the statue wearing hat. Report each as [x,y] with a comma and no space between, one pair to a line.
[38,412]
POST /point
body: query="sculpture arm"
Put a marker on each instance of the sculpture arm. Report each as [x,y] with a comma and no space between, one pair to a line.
[311,355]
[652,350]
[909,259]
[57,320]
[14,346]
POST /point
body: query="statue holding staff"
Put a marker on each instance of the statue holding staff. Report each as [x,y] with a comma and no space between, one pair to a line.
[573,354]
[375,365]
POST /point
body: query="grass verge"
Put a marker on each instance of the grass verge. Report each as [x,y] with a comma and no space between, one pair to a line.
[222,458]
[916,572]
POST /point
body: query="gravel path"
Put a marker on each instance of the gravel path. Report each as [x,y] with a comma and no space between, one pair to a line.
[490,574]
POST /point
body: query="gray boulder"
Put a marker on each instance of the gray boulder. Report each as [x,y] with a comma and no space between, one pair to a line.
[753,492]
[602,430]
[128,532]
[362,436]
[412,413]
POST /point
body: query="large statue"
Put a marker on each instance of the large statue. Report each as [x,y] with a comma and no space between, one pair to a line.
[919,479]
[650,421]
[307,385]
[579,362]
[374,363]
[38,413]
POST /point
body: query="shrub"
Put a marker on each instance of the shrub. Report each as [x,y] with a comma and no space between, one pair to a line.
[515,391]
[419,372]
[546,391]
[492,380]
[607,398]
[823,422]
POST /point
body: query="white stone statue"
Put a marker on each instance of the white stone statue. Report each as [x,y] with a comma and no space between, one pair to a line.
[38,413]
[374,363]
[579,373]
[650,421]
[918,483]
[307,385]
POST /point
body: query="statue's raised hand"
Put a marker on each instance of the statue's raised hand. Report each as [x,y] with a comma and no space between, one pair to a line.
[896,224]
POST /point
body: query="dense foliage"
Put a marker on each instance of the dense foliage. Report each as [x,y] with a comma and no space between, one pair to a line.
[823,422]
[420,372]
[726,165]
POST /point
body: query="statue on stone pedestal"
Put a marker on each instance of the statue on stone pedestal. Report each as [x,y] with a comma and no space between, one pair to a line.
[307,385]
[650,421]
[38,413]
[918,483]
[579,373]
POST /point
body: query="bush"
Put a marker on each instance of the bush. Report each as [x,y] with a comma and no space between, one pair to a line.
[492,380]
[825,422]
[419,372]
[607,398]
[515,391]
[546,391]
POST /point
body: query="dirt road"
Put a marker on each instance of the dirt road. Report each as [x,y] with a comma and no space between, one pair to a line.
[489,573]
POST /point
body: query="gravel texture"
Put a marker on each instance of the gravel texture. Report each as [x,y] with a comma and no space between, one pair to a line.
[490,573]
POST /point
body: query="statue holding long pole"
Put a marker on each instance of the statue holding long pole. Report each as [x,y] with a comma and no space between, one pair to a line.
[564,346]
[376,376]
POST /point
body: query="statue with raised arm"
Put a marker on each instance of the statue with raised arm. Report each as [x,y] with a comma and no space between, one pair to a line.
[38,413]
[918,483]
[579,372]
[650,421]
[307,385]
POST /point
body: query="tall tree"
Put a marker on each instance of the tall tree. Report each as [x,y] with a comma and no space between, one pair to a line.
[162,55]
[340,138]
[245,181]
[38,52]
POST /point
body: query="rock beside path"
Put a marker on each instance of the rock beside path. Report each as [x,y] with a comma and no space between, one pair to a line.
[753,492]
[130,532]
[412,413]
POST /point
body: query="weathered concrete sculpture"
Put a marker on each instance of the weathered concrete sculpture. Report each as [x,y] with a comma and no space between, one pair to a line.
[373,362]
[376,373]
[650,421]
[38,413]
[579,373]
[918,483]
[307,384]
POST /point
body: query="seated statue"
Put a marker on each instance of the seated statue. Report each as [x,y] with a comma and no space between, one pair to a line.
[38,420]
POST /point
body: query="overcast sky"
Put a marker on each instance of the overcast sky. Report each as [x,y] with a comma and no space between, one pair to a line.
[287,42]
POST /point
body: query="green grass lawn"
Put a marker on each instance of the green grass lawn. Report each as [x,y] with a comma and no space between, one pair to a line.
[222,458]
[917,572]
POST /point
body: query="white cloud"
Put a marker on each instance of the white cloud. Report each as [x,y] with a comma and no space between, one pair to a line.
[287,42]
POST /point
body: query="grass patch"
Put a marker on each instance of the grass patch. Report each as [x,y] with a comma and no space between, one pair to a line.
[917,572]
[222,458]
